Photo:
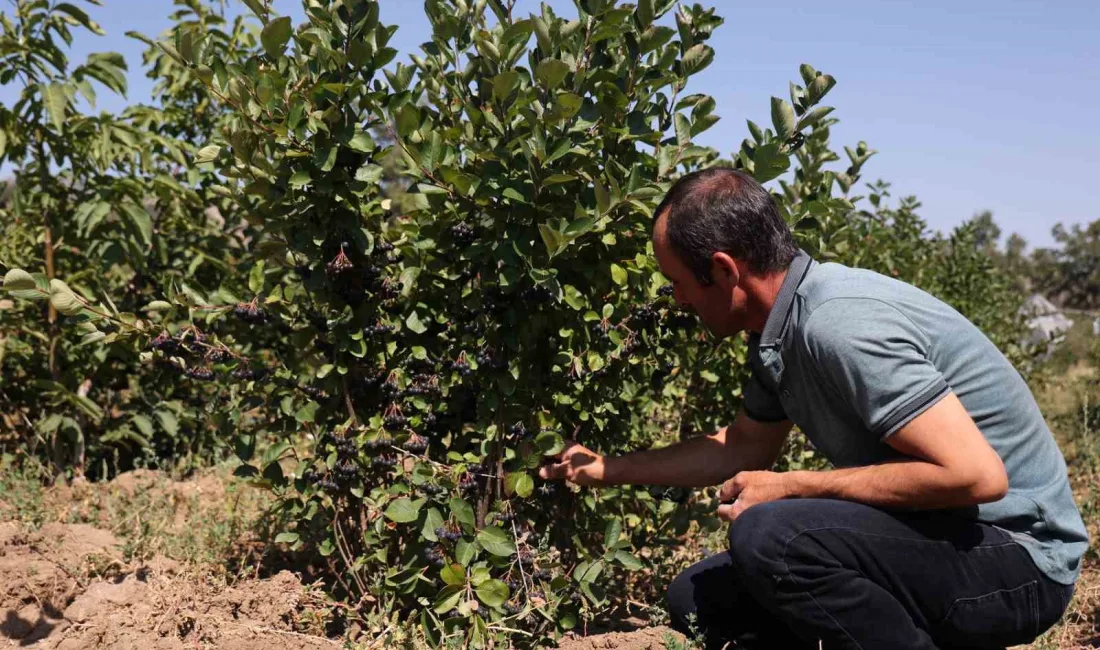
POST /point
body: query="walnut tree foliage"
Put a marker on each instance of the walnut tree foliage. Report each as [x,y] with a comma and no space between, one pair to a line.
[442,269]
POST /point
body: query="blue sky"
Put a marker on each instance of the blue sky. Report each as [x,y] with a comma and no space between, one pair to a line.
[972,104]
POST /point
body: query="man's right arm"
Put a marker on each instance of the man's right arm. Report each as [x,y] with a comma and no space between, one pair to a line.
[697,462]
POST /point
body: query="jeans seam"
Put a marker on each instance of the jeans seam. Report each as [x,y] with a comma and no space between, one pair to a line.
[790,574]
[1033,602]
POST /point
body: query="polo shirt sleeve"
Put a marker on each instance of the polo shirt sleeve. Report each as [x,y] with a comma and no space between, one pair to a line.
[759,402]
[876,359]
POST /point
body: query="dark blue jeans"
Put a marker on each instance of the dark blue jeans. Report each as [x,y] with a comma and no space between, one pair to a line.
[801,572]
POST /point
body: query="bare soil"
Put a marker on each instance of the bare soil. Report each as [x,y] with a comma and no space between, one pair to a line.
[66,586]
[651,638]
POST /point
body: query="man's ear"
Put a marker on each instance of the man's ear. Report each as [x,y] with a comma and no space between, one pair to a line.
[724,271]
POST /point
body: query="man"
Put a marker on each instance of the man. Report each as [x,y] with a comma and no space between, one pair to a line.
[949,521]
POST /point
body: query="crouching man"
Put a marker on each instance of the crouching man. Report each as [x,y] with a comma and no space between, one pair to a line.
[949,522]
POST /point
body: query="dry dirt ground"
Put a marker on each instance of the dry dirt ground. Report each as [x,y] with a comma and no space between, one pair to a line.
[67,586]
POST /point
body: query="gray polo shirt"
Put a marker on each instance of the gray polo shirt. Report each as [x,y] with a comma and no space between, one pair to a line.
[851,356]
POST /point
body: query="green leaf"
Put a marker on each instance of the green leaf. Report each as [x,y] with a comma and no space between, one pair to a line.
[18,280]
[257,8]
[611,532]
[504,83]
[301,178]
[645,13]
[404,510]
[63,299]
[448,598]
[496,541]
[158,305]
[56,101]
[769,162]
[493,593]
[256,277]
[207,154]
[432,520]
[465,552]
[783,118]
[414,323]
[519,483]
[814,116]
[462,511]
[618,275]
[628,561]
[697,58]
[551,238]
[80,17]
[286,538]
[453,574]
[551,72]
[549,443]
[307,413]
[141,220]
[276,35]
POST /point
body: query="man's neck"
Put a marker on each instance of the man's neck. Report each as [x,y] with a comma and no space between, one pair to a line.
[762,292]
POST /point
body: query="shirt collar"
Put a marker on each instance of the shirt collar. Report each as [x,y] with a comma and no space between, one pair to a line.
[784,301]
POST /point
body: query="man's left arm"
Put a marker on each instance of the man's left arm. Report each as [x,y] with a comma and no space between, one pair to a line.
[877,360]
[949,464]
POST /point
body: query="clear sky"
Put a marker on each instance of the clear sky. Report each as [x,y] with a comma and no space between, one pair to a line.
[972,104]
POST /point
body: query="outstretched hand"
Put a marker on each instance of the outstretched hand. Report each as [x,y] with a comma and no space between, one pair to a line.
[576,464]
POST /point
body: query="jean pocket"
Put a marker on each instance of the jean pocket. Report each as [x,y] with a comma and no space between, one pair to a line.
[997,619]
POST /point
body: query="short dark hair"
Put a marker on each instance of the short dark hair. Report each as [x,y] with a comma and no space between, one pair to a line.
[724,210]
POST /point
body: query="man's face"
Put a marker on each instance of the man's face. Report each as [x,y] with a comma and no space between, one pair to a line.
[720,305]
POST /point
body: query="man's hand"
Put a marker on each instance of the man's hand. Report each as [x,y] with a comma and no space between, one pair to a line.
[747,489]
[577,464]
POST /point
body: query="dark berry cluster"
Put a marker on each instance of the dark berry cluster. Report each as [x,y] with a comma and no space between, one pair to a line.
[517,430]
[526,559]
[645,315]
[463,233]
[432,489]
[599,330]
[340,263]
[164,342]
[383,247]
[487,359]
[218,355]
[246,373]
[467,483]
[542,574]
[680,320]
[390,389]
[312,391]
[380,442]
[249,313]
[346,471]
[345,447]
[461,366]
[448,533]
[390,289]
[394,422]
[424,385]
[374,330]
[434,555]
[537,294]
[200,373]
[513,607]
[665,290]
[313,477]
[385,461]
[416,444]
[505,517]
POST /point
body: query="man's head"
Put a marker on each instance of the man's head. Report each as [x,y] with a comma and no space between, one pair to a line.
[719,238]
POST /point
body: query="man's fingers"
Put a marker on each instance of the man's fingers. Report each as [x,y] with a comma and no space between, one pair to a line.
[555,471]
[725,512]
[730,490]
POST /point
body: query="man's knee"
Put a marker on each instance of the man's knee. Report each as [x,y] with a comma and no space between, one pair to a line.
[759,535]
